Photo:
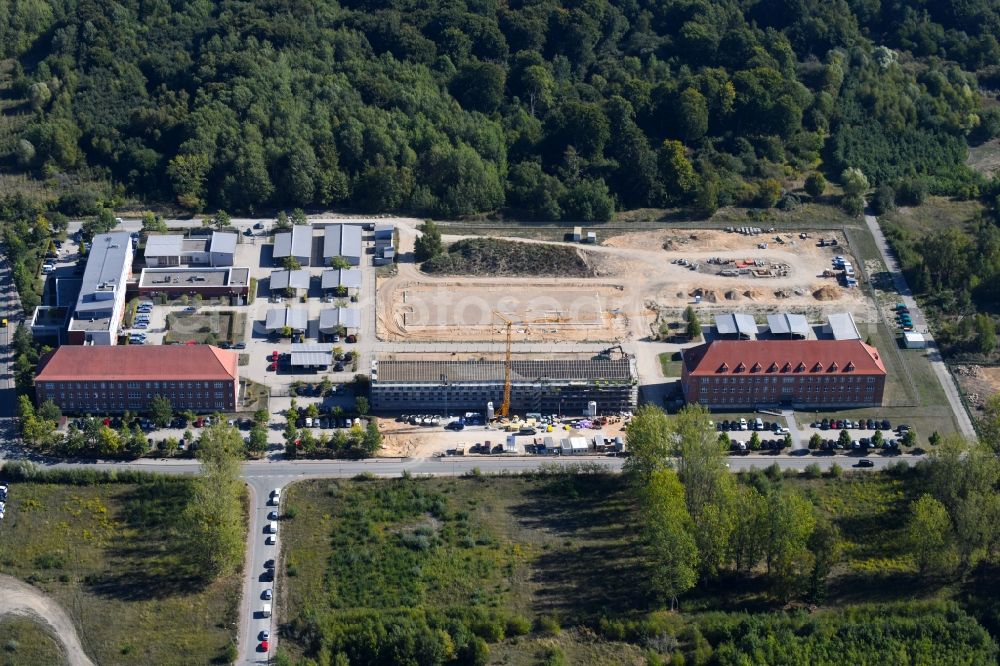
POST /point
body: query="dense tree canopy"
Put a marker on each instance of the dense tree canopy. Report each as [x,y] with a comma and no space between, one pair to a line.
[550,109]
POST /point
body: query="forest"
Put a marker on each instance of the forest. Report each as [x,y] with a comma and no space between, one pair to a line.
[548,109]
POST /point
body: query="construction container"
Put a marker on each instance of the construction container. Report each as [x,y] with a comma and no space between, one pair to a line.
[490,413]
[577,234]
[591,409]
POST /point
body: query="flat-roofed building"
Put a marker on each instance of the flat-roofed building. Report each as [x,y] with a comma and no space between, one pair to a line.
[807,374]
[342,240]
[297,243]
[383,235]
[736,325]
[548,386]
[101,303]
[316,356]
[170,250]
[206,281]
[222,248]
[841,326]
[109,380]
[164,250]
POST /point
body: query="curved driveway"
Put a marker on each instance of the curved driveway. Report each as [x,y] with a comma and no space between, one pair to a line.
[22,599]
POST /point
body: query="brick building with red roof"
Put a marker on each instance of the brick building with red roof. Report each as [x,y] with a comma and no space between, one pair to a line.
[108,380]
[744,374]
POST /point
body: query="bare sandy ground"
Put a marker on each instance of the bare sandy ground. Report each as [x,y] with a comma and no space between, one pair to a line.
[22,599]
[636,274]
[405,440]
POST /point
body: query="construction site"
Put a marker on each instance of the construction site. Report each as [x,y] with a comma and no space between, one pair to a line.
[497,387]
[545,310]
[637,276]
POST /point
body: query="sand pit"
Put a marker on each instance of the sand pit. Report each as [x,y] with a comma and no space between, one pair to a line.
[540,312]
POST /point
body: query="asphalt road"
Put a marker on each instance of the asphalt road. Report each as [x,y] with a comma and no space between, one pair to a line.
[920,323]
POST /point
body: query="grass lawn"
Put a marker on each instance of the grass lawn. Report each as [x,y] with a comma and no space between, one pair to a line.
[668,366]
[255,396]
[564,547]
[109,554]
[26,642]
[205,327]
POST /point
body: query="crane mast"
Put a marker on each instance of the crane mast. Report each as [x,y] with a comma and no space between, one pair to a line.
[505,405]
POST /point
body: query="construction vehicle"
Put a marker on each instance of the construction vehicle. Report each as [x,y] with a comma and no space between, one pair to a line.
[505,405]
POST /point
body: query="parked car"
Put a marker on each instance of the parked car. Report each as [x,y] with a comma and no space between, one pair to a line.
[267,594]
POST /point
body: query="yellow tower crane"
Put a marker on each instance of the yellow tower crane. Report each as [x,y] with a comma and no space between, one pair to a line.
[505,405]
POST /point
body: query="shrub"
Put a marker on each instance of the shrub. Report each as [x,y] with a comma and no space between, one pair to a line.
[518,625]
[546,624]
[50,561]
[476,652]
[490,628]
[813,471]
[835,471]
[553,656]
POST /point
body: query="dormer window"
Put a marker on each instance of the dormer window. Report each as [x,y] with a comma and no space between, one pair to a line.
[741,367]
[818,367]
[724,367]
[849,367]
[786,367]
[833,366]
[755,368]
[800,367]
[773,367]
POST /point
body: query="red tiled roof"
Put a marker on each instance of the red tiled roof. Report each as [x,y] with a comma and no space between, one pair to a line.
[783,357]
[138,362]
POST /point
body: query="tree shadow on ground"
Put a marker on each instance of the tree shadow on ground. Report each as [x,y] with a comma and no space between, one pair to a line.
[599,564]
[147,558]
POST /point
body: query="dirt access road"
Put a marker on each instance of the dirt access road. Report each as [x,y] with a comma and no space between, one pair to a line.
[634,272]
[22,599]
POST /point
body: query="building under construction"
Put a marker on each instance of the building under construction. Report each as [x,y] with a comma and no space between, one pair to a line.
[550,386]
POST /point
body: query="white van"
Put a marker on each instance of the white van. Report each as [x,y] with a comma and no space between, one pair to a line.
[743,424]
[266,610]
[272,527]
[758,424]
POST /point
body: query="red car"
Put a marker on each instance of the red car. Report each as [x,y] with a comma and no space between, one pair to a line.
[263,646]
[272,367]
[274,355]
